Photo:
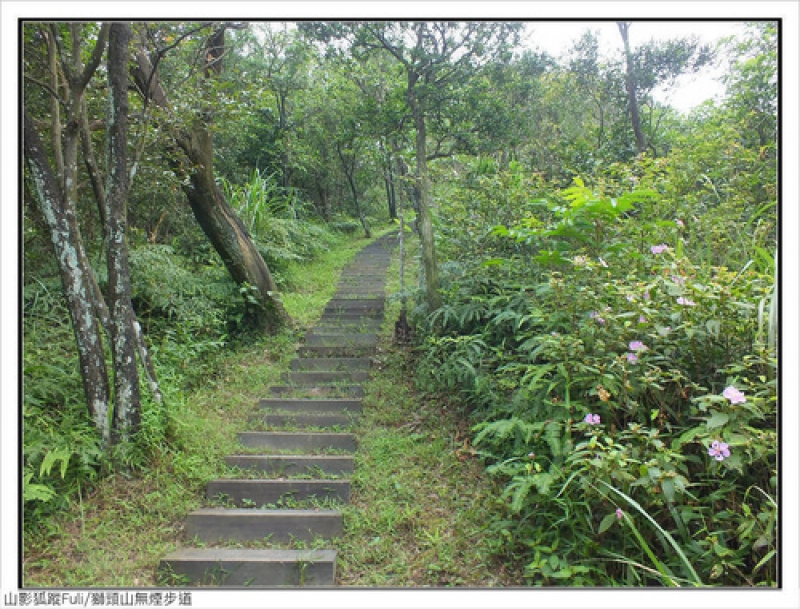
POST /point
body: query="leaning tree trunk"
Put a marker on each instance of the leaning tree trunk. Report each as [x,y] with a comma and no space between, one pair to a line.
[218,220]
[127,398]
[227,233]
[76,278]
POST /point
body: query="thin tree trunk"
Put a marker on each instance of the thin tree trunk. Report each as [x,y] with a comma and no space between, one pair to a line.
[630,85]
[73,265]
[127,402]
[349,171]
[388,179]
[422,193]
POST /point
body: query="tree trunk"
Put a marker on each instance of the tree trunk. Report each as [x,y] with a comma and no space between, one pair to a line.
[325,200]
[388,179]
[422,194]
[227,233]
[216,217]
[127,398]
[630,85]
[76,278]
[349,172]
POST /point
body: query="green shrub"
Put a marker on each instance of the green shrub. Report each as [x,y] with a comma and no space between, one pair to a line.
[622,392]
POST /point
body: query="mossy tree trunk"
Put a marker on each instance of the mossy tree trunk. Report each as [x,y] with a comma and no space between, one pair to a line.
[124,338]
[76,277]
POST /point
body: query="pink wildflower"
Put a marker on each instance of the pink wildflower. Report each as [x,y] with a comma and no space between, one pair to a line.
[592,419]
[734,395]
[719,450]
[659,249]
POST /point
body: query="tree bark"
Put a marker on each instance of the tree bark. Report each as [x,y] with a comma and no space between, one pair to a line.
[127,397]
[630,85]
[76,278]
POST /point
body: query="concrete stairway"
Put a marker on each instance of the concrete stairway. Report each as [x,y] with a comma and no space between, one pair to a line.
[289,492]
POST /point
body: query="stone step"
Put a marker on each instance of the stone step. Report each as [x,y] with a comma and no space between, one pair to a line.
[278,526]
[297,441]
[337,326]
[325,377]
[319,391]
[324,421]
[270,492]
[354,339]
[351,317]
[345,351]
[293,465]
[328,363]
[359,321]
[311,406]
[354,305]
[235,568]
[343,330]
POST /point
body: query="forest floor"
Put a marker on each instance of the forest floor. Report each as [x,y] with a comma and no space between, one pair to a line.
[420,499]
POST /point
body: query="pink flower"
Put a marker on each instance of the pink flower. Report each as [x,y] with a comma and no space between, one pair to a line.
[646,295]
[619,513]
[719,450]
[678,279]
[637,345]
[632,358]
[596,315]
[679,222]
[686,302]
[659,249]
[592,419]
[734,395]
[642,319]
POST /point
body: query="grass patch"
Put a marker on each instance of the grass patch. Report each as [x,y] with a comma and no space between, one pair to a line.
[419,501]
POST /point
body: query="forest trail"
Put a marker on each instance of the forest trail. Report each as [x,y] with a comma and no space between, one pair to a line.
[295,463]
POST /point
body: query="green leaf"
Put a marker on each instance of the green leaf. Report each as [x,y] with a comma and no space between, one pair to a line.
[717,419]
[668,488]
[607,522]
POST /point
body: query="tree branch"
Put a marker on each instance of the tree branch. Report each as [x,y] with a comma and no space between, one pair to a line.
[96,58]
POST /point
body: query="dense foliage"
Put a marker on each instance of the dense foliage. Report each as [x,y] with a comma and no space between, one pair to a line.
[614,345]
